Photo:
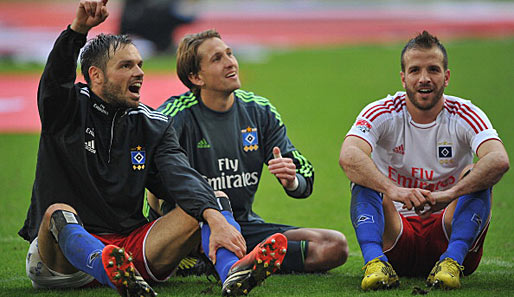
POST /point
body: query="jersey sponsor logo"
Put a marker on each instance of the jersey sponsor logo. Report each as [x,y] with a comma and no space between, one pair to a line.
[364,219]
[231,177]
[138,157]
[92,257]
[90,131]
[203,144]
[230,181]
[399,150]
[363,125]
[420,178]
[100,108]
[250,139]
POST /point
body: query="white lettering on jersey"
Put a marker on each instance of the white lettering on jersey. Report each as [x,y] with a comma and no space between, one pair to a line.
[227,164]
[230,177]
[244,179]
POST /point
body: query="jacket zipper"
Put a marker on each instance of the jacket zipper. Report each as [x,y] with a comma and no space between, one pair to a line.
[112,135]
[112,131]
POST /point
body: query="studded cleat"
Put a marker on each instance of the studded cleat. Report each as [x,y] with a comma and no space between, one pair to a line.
[379,275]
[123,274]
[197,266]
[445,275]
[255,267]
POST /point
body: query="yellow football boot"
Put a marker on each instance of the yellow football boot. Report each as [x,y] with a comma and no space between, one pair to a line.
[379,275]
[445,274]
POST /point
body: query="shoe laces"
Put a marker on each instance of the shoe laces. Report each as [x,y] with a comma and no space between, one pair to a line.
[450,265]
[373,266]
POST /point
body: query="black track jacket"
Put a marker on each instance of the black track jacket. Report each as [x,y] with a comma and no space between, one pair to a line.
[99,159]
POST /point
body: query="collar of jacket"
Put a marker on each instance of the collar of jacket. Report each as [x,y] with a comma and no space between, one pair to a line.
[103,107]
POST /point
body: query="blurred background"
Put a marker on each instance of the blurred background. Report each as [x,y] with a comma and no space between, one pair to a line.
[253,28]
[319,62]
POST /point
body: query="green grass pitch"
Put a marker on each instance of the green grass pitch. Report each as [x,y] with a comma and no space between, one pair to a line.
[318,93]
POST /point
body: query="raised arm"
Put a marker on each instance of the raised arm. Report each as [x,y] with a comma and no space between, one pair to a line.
[55,93]
[90,13]
[356,162]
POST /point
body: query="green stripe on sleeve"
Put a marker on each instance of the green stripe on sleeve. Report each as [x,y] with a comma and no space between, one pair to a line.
[305,167]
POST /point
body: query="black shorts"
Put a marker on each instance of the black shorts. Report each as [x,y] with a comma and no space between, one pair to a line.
[256,231]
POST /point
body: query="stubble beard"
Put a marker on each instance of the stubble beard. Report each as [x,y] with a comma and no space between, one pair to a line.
[114,96]
[429,104]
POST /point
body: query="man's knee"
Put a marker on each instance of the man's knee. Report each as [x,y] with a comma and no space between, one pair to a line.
[334,248]
[327,249]
[49,213]
[55,207]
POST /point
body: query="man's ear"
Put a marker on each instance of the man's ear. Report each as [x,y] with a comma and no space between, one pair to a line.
[96,75]
[402,77]
[196,79]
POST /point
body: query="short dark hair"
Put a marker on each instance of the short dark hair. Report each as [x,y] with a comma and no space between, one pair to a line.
[425,40]
[97,52]
[188,61]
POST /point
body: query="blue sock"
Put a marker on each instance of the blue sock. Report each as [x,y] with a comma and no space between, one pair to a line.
[469,218]
[83,251]
[224,258]
[368,221]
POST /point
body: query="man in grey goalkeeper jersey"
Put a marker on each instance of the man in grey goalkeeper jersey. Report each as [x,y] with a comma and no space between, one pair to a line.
[228,135]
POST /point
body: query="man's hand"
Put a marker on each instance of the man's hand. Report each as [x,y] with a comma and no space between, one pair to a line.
[223,235]
[442,199]
[411,197]
[284,169]
[90,13]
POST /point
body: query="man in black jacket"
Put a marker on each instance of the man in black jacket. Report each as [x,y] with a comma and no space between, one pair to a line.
[99,149]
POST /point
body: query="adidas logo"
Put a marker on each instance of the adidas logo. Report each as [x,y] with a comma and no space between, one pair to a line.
[90,146]
[203,144]
[399,150]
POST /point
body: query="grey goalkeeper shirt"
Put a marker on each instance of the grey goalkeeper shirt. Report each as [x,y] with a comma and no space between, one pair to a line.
[230,148]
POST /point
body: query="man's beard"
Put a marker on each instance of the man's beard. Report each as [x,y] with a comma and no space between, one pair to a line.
[437,96]
[114,96]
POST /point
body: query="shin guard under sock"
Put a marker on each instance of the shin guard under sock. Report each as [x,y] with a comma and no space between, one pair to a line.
[470,217]
[368,221]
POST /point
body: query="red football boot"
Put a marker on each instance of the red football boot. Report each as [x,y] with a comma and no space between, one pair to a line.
[255,267]
[123,274]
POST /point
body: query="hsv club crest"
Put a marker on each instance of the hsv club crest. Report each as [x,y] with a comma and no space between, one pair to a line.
[250,139]
[138,157]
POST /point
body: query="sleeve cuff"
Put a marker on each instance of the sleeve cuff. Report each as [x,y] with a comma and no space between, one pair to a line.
[302,186]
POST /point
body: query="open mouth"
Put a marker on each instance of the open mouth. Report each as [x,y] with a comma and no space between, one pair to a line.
[425,91]
[135,87]
[231,75]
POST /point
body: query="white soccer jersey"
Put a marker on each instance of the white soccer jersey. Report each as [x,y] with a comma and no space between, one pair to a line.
[429,156]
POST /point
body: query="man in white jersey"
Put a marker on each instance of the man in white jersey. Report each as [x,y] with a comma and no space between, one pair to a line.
[407,156]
